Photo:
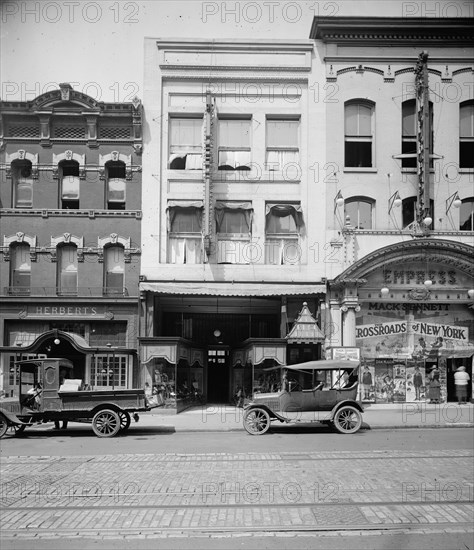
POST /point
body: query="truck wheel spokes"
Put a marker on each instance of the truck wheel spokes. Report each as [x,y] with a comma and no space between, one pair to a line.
[106,423]
[124,421]
[3,425]
[256,421]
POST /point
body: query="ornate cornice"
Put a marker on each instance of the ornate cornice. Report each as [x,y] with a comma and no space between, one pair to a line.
[393,30]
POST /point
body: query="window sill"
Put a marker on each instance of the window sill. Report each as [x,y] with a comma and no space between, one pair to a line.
[361,169]
[466,170]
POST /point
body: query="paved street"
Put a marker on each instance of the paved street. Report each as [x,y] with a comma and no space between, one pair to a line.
[415,484]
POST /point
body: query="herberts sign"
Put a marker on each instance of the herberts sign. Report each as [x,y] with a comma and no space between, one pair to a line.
[415,327]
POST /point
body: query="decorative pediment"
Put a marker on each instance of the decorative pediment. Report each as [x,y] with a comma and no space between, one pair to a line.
[67,238]
[115,156]
[306,329]
[69,155]
[19,237]
[21,155]
[113,239]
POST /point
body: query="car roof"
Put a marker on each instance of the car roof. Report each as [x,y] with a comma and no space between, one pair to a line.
[327,364]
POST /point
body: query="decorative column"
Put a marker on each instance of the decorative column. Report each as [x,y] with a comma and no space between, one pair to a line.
[349,323]
[334,325]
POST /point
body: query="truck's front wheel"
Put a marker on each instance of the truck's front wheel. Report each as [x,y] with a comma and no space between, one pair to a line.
[106,423]
[3,425]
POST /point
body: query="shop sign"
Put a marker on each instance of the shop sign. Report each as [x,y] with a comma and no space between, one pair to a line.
[44,311]
[402,327]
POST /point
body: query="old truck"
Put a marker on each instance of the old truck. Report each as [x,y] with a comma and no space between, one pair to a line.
[47,392]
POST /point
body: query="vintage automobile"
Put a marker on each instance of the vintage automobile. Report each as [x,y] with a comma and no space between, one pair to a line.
[47,392]
[330,399]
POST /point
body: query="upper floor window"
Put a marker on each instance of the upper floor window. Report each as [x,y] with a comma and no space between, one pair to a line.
[359,211]
[69,178]
[185,232]
[466,215]
[20,268]
[409,211]
[114,269]
[115,185]
[234,226]
[185,142]
[234,144]
[283,224]
[409,134]
[282,143]
[67,269]
[359,134]
[22,183]
[466,134]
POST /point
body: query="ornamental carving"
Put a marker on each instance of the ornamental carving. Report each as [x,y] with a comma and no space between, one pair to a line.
[419,294]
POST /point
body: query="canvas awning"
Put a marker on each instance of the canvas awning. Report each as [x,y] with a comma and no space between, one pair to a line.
[234,289]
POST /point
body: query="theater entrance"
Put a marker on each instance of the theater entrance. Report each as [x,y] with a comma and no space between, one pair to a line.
[218,374]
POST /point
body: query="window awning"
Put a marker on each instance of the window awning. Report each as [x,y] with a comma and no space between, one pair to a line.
[234,289]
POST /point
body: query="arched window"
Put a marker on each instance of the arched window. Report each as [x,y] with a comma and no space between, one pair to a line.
[69,184]
[409,130]
[359,134]
[466,215]
[466,134]
[116,184]
[359,210]
[22,183]
[67,269]
[114,269]
[20,268]
[409,211]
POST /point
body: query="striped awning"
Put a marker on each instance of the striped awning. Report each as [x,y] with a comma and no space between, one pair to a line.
[234,289]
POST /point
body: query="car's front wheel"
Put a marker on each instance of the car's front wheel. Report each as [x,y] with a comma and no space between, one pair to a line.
[347,420]
[256,421]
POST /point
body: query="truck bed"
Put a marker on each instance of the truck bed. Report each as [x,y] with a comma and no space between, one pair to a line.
[127,399]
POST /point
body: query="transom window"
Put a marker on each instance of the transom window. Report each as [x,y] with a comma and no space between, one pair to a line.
[359,212]
[466,134]
[234,144]
[282,143]
[185,142]
[358,123]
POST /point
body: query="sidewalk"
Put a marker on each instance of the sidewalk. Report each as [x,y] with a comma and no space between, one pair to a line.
[212,418]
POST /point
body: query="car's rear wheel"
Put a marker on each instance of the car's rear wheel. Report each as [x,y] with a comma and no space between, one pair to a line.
[347,420]
[106,423]
[257,421]
[124,421]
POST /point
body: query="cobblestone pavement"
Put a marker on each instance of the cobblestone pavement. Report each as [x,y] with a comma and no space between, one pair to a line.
[174,494]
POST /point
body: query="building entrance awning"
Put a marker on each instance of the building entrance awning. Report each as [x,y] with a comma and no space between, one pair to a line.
[234,289]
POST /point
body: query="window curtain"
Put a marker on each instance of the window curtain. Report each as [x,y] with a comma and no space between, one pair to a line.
[282,210]
[285,251]
[174,207]
[221,206]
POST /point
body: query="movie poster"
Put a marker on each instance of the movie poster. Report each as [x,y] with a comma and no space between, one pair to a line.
[384,385]
[415,387]
[399,381]
[367,382]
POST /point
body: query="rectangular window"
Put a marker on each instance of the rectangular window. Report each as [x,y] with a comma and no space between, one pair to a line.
[67,264]
[234,144]
[116,194]
[282,235]
[185,242]
[466,135]
[109,371]
[70,192]
[114,270]
[358,135]
[22,184]
[20,279]
[185,143]
[282,143]
[233,226]
[409,133]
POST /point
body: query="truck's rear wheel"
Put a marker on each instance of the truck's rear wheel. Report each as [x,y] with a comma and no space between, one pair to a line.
[16,429]
[106,423]
[124,421]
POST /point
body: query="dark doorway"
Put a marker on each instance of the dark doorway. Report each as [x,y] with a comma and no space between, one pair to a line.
[218,375]
[453,365]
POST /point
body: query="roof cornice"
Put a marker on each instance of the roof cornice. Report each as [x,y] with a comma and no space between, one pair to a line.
[456,31]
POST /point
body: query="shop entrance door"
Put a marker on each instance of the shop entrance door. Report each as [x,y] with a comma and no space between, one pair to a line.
[218,375]
[453,365]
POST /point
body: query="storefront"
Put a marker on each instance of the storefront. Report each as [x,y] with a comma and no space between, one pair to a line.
[99,339]
[216,349]
[409,308]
